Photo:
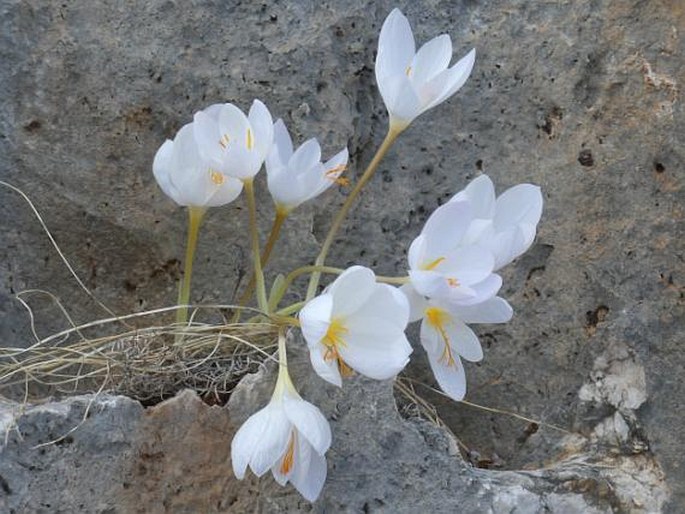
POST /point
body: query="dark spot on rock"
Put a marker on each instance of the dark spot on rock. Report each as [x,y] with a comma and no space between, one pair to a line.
[33,126]
[5,486]
[479,164]
[594,318]
[552,121]
[585,158]
[64,441]
[659,168]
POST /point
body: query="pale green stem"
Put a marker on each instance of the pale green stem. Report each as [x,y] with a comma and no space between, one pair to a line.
[392,134]
[195,215]
[281,215]
[254,236]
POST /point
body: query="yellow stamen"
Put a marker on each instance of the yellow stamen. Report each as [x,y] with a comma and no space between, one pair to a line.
[334,175]
[453,282]
[250,141]
[334,340]
[216,177]
[289,457]
[438,318]
[223,142]
[433,264]
[408,71]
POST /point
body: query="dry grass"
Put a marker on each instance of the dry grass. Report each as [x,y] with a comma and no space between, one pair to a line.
[148,364]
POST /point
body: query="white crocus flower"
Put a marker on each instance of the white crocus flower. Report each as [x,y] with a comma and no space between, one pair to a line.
[187,178]
[447,338]
[505,225]
[441,266]
[297,176]
[357,324]
[234,144]
[289,437]
[412,82]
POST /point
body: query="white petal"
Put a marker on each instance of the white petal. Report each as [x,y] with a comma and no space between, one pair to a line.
[396,46]
[262,128]
[429,283]
[281,150]
[483,290]
[445,228]
[454,78]
[351,289]
[161,168]
[505,245]
[233,123]
[272,443]
[417,303]
[464,341]
[375,348]
[451,378]
[190,174]
[400,99]
[207,136]
[468,264]
[481,193]
[286,190]
[225,193]
[432,58]
[306,156]
[309,473]
[315,318]
[338,160]
[240,163]
[494,310]
[310,422]
[417,250]
[326,369]
[519,204]
[389,303]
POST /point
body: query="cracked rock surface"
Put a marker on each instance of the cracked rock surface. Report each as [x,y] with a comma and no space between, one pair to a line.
[109,454]
[582,98]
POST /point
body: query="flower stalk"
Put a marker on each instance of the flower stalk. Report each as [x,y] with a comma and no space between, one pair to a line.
[195,216]
[254,236]
[393,132]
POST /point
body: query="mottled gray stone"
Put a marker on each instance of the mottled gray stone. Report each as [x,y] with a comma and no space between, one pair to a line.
[582,98]
[174,457]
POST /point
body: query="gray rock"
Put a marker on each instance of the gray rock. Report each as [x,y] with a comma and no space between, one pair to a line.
[583,99]
[108,454]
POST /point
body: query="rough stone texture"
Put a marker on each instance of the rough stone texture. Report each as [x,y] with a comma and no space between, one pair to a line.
[174,457]
[583,99]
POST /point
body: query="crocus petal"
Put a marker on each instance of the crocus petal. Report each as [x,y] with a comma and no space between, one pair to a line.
[239,162]
[228,191]
[315,318]
[416,252]
[454,78]
[375,347]
[309,473]
[388,302]
[483,290]
[445,228]
[281,150]
[519,204]
[428,283]
[396,46]
[481,193]
[272,442]
[325,368]
[262,127]
[208,137]
[352,289]
[417,302]
[468,264]
[161,167]
[494,310]
[449,374]
[306,156]
[432,58]
[310,423]
[401,100]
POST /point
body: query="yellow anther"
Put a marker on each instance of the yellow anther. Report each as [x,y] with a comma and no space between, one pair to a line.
[408,71]
[334,175]
[438,318]
[217,178]
[433,264]
[334,334]
[452,282]
[250,141]
[289,457]
[223,142]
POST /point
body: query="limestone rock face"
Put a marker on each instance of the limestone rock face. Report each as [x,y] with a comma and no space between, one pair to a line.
[108,454]
[582,98]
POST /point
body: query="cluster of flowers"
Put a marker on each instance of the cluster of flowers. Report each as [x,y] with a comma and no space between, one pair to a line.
[358,323]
